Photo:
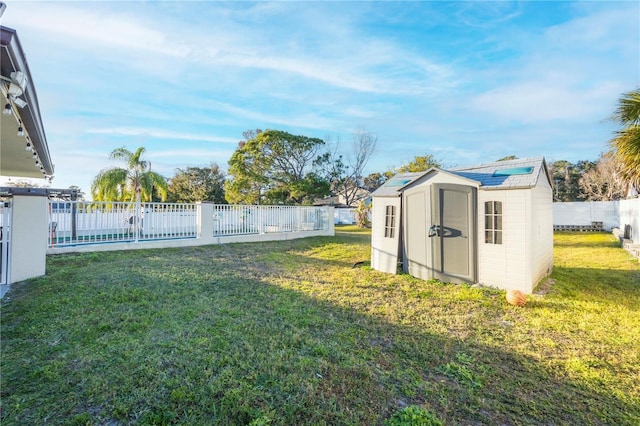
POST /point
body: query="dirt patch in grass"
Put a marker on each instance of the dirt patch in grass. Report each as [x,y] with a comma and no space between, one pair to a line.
[544,287]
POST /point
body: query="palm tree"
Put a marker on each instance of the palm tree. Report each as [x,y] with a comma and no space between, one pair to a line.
[627,141]
[134,183]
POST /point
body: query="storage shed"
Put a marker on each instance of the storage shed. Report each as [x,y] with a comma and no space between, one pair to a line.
[490,224]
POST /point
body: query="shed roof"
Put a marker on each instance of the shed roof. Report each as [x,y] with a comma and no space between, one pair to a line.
[393,187]
[508,174]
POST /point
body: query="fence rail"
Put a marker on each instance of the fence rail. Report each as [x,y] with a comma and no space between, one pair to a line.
[74,223]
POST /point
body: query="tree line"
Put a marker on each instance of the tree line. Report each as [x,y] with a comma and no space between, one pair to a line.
[267,167]
[277,167]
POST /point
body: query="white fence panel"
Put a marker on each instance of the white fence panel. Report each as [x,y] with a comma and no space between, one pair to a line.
[629,211]
[585,212]
[610,213]
[79,222]
[165,220]
[344,216]
[235,220]
[247,219]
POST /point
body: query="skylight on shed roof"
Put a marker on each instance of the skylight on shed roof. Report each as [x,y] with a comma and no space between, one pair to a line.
[514,171]
[398,182]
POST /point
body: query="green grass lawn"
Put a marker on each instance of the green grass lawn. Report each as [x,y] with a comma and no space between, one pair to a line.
[289,333]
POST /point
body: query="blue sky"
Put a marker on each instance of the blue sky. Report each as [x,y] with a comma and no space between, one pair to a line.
[468,82]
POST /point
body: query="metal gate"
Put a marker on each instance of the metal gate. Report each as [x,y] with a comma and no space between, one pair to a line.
[5,241]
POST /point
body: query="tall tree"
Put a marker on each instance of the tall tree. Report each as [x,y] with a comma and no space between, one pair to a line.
[277,167]
[373,181]
[566,178]
[197,184]
[627,141]
[604,182]
[136,182]
[346,176]
[420,163]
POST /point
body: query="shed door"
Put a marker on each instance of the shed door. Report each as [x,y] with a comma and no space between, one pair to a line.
[453,233]
[416,241]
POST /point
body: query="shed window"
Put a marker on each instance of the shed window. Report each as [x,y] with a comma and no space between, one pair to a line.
[493,222]
[390,222]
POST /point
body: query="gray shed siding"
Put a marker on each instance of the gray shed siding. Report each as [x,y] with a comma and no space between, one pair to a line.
[417,218]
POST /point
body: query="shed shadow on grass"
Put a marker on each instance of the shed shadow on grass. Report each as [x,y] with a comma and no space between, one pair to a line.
[201,342]
[605,286]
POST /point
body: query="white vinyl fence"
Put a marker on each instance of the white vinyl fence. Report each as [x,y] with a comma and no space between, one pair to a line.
[73,223]
[344,216]
[612,214]
[241,220]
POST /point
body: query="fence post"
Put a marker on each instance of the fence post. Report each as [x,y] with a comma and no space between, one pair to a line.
[29,237]
[330,222]
[136,221]
[205,221]
[74,213]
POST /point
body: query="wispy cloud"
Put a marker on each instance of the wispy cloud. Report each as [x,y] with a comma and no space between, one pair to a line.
[93,28]
[542,101]
[487,14]
[153,133]
[375,66]
[571,72]
[201,154]
[466,81]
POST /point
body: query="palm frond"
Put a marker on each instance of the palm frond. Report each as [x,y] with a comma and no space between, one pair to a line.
[121,153]
[150,181]
[135,183]
[628,111]
[627,151]
[135,162]
[109,184]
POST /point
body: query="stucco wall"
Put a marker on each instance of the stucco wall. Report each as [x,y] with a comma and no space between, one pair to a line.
[29,228]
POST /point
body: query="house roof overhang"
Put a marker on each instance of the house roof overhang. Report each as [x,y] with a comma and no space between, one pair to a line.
[15,160]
